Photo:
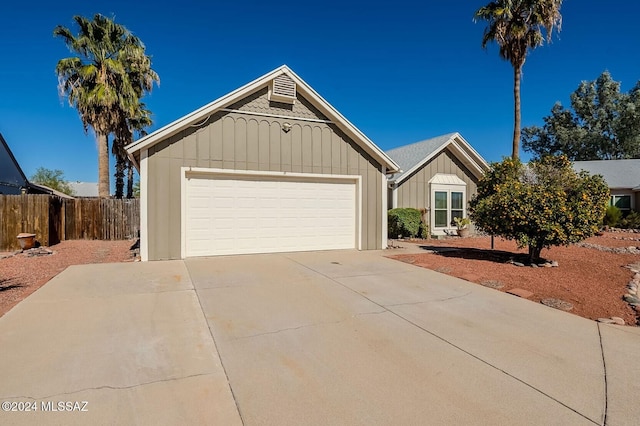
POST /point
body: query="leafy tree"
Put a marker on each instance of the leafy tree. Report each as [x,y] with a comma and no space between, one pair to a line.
[542,204]
[53,179]
[517,27]
[602,124]
[105,81]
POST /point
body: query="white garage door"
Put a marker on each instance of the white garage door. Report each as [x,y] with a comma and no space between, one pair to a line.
[238,215]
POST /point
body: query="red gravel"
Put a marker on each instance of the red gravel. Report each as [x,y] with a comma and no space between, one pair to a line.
[20,275]
[592,280]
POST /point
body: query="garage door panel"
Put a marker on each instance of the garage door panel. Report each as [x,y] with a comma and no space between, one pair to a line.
[249,215]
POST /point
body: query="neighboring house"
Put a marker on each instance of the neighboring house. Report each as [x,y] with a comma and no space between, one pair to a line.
[84,189]
[439,175]
[12,179]
[622,177]
[270,167]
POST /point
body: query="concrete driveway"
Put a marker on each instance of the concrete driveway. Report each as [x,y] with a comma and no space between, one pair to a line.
[305,338]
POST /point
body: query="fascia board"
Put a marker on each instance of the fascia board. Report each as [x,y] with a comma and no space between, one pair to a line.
[478,158]
[477,170]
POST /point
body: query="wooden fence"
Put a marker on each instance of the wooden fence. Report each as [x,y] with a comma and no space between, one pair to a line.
[53,219]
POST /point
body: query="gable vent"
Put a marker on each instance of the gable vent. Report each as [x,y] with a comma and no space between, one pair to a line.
[282,89]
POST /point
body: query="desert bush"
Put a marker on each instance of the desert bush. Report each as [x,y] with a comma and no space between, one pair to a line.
[406,222]
[612,216]
[630,221]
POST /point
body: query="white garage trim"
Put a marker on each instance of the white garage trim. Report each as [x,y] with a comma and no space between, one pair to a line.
[189,172]
[144,230]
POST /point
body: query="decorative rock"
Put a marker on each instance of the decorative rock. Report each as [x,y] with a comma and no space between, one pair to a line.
[630,298]
[605,320]
[492,284]
[525,294]
[533,265]
[554,264]
[546,265]
[618,320]
[557,304]
[632,292]
[517,263]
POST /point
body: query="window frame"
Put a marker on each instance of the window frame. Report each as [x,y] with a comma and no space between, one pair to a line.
[448,188]
[612,202]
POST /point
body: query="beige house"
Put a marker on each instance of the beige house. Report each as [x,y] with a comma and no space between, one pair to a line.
[270,167]
[623,178]
[439,175]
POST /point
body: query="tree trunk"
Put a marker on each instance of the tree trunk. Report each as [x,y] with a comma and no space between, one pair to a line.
[517,74]
[129,179]
[119,175]
[103,165]
[534,254]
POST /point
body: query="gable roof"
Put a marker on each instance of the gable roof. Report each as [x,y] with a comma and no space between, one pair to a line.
[301,86]
[11,175]
[619,174]
[414,156]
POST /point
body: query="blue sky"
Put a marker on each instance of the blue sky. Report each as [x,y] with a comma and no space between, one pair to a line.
[400,71]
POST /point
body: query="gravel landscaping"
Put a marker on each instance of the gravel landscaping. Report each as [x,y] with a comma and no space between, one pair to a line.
[592,279]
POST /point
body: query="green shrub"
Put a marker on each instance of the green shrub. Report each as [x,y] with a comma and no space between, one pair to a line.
[612,216]
[631,221]
[406,222]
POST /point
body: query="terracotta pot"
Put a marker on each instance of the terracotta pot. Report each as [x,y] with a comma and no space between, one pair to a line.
[463,233]
[26,241]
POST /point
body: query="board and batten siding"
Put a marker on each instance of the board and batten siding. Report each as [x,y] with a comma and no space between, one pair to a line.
[414,191]
[243,141]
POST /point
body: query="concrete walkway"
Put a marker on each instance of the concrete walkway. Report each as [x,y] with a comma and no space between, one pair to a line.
[307,338]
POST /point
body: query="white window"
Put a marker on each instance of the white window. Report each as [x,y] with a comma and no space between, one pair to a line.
[623,202]
[448,201]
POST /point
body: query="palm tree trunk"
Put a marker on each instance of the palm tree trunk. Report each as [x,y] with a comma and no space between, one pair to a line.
[119,175]
[103,165]
[129,179]
[517,73]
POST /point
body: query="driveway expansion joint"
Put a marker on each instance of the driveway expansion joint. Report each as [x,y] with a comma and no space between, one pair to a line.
[336,280]
[215,344]
[604,367]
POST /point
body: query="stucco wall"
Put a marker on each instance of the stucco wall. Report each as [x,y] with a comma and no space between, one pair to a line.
[247,141]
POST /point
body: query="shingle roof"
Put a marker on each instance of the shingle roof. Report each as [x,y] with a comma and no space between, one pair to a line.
[617,173]
[409,156]
[413,156]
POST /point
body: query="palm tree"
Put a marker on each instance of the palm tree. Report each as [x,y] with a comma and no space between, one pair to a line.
[106,79]
[516,26]
[137,122]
